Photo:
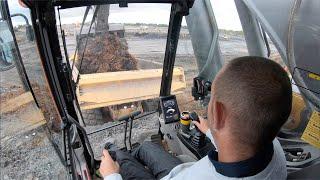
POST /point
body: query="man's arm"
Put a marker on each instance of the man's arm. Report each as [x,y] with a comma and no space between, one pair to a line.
[109,169]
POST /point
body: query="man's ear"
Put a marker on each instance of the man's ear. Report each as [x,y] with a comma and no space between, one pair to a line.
[219,115]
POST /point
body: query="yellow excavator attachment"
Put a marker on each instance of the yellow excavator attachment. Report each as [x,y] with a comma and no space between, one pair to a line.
[112,88]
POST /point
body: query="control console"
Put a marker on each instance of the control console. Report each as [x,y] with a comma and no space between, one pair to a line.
[193,139]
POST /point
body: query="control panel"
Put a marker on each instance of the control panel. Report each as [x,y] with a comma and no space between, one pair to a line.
[170,109]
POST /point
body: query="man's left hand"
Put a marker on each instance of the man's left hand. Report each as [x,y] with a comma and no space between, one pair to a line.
[108,166]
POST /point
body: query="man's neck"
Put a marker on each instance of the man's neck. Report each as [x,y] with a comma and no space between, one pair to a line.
[233,151]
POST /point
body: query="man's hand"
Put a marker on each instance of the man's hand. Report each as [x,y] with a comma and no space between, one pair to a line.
[108,166]
[203,125]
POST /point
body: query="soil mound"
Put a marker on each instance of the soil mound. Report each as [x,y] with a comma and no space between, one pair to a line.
[106,53]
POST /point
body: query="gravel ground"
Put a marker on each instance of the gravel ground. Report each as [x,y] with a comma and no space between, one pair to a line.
[30,156]
[141,129]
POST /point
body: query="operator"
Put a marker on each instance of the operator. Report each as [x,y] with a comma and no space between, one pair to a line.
[250,101]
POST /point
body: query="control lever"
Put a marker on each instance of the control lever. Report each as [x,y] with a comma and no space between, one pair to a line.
[128,118]
[194,117]
[198,140]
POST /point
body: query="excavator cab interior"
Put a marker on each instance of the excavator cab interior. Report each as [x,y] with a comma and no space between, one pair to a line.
[291,26]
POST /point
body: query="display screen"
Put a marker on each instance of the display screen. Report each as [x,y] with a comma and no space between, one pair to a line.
[170,109]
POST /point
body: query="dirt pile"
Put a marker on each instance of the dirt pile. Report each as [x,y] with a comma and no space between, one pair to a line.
[105,53]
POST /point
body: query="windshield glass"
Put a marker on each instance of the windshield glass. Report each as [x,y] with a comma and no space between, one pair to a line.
[116,57]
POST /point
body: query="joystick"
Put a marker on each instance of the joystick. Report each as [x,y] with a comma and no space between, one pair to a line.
[193,138]
[198,139]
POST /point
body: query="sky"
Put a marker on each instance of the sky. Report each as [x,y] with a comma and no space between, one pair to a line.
[224,10]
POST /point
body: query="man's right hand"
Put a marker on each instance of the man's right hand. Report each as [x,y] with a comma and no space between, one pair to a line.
[202,126]
[108,166]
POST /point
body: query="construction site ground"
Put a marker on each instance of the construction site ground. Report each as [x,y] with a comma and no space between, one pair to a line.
[29,154]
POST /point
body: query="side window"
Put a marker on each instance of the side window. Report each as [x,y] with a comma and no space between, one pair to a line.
[23,125]
[6,45]
[11,85]
[27,47]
